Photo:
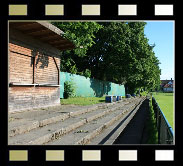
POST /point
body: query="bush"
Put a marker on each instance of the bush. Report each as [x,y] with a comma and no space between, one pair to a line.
[69,89]
[151,126]
[144,93]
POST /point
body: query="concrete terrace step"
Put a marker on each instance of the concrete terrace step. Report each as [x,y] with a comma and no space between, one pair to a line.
[85,133]
[24,122]
[109,135]
[54,130]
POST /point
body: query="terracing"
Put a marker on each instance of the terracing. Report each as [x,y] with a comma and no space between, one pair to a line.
[73,125]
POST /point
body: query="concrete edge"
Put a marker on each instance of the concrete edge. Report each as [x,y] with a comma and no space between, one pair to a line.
[122,127]
[55,135]
[26,128]
[90,136]
[23,128]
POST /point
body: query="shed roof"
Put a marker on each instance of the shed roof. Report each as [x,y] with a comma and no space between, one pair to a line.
[163,82]
[45,32]
[168,86]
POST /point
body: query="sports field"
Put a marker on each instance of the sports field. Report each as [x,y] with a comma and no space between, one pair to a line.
[166,103]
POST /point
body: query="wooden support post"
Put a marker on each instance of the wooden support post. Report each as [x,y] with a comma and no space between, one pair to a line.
[33,70]
[57,70]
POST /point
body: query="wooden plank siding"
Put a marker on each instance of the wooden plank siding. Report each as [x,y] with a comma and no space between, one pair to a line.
[24,70]
[20,66]
[34,64]
[23,98]
[45,70]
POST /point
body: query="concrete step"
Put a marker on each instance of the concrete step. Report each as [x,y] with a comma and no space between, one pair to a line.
[53,131]
[84,134]
[27,121]
[32,120]
[135,132]
[109,135]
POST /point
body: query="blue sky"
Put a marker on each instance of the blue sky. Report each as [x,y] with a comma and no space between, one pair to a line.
[162,34]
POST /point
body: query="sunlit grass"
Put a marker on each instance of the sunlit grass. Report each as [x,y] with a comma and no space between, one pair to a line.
[83,100]
[166,103]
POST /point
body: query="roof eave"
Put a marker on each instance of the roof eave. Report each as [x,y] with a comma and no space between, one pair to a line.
[44,32]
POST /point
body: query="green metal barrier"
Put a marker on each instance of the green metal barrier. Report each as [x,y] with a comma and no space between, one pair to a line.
[88,87]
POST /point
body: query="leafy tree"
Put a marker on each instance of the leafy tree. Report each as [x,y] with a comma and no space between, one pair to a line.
[146,72]
[82,35]
[112,51]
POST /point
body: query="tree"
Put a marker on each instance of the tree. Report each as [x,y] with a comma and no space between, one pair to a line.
[82,35]
[112,51]
[146,72]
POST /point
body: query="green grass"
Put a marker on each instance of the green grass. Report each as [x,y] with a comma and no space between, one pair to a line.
[166,102]
[83,100]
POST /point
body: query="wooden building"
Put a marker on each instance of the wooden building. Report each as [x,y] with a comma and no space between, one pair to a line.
[34,64]
[167,85]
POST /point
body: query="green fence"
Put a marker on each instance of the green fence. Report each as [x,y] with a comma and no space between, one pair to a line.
[88,87]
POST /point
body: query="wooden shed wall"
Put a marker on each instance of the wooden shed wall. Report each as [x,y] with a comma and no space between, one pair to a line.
[23,69]
[45,70]
[22,98]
